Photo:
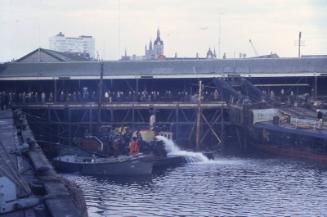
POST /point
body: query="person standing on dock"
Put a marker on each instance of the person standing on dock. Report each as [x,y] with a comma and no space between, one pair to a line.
[319,119]
[152,120]
[106,96]
[43,97]
[133,147]
[50,97]
[272,95]
[215,95]
[1,101]
[291,98]
[282,95]
[62,96]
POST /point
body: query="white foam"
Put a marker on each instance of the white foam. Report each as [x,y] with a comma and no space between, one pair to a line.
[173,150]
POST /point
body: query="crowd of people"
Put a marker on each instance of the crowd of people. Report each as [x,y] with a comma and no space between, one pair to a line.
[287,97]
[8,98]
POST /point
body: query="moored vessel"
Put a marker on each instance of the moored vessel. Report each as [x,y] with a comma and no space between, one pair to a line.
[275,132]
[111,166]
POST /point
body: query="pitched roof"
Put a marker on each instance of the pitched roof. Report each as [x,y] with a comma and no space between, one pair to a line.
[272,55]
[47,55]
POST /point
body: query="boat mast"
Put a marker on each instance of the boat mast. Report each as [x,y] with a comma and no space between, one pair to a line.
[198,118]
[100,90]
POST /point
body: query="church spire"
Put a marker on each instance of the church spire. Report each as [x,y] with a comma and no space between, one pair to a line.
[150,45]
[158,33]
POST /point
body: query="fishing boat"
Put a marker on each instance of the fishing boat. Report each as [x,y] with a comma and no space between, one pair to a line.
[148,142]
[279,134]
[139,164]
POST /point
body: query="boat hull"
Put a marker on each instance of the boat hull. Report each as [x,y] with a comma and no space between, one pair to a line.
[289,141]
[169,161]
[291,152]
[126,167]
[130,168]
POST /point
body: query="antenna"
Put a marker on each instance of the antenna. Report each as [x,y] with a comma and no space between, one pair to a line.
[300,44]
[254,50]
[219,34]
[98,56]
[118,28]
[38,33]
[39,23]
[39,38]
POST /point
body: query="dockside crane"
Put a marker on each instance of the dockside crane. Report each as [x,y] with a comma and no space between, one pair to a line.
[254,50]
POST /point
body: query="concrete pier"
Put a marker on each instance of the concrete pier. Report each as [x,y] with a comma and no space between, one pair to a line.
[39,190]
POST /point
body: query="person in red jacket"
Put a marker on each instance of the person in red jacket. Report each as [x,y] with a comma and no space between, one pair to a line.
[134,147]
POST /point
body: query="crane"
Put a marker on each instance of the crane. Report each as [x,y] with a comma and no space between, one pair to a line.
[254,50]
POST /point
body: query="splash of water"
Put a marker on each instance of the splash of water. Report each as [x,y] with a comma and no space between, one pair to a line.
[173,150]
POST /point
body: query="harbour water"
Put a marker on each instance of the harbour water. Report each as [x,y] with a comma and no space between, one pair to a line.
[224,186]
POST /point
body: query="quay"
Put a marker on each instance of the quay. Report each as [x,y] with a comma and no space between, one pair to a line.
[29,186]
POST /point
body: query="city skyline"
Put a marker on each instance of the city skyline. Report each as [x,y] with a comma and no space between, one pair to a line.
[187,27]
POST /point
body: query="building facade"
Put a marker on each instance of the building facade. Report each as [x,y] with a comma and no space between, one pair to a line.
[82,44]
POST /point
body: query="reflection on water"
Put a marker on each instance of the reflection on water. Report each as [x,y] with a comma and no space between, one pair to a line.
[221,187]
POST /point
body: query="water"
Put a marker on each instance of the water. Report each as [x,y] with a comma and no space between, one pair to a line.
[224,186]
[173,150]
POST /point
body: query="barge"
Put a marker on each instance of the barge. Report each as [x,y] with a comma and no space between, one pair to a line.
[275,132]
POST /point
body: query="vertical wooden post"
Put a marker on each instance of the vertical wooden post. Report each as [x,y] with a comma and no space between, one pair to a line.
[112,118]
[49,114]
[90,121]
[299,45]
[222,124]
[50,123]
[55,91]
[177,123]
[133,117]
[316,86]
[100,90]
[137,90]
[198,118]
[69,127]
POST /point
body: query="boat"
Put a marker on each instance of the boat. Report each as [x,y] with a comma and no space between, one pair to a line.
[147,141]
[139,164]
[109,142]
[169,161]
[273,132]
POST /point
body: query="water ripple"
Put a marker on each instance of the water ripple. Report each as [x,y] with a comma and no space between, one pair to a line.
[265,187]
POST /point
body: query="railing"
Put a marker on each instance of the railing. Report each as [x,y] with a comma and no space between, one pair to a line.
[121,105]
[307,123]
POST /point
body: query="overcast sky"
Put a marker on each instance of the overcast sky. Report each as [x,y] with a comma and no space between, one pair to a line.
[187,26]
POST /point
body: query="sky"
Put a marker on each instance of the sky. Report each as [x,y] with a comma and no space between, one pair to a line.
[187,26]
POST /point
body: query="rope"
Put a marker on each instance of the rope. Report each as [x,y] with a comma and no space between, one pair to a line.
[7,168]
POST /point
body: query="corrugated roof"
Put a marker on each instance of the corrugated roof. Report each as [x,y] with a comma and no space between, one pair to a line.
[168,68]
